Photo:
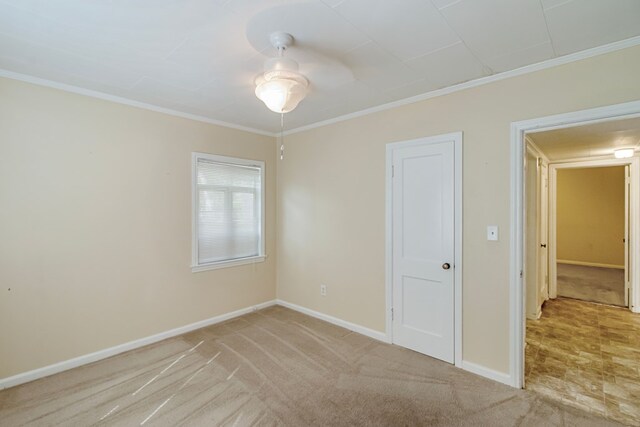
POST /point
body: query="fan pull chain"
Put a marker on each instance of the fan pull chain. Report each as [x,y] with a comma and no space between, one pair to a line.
[282,136]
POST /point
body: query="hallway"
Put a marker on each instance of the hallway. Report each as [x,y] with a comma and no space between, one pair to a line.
[586,355]
[603,285]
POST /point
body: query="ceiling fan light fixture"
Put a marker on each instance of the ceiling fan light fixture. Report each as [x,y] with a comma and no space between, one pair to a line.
[623,153]
[281,92]
[281,87]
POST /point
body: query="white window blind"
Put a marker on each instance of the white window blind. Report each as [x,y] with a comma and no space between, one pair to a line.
[228,209]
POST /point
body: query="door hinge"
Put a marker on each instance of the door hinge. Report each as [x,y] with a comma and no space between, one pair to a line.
[521,274]
[391,313]
[393,171]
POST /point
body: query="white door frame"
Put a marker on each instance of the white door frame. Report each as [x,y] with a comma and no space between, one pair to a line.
[456,137]
[516,262]
[634,168]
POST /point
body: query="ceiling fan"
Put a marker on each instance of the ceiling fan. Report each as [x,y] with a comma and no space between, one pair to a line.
[281,87]
[309,68]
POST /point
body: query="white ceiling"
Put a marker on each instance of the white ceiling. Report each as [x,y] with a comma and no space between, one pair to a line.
[200,57]
[595,140]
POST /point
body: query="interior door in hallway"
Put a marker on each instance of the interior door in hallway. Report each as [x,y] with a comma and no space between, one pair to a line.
[627,216]
[543,229]
[423,247]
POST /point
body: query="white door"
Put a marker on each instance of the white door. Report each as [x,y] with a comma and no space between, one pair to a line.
[627,281]
[423,248]
[543,262]
[531,237]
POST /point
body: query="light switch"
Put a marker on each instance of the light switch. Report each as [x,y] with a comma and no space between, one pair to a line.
[492,232]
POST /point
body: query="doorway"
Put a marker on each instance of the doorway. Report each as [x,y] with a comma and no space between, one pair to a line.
[424,235]
[579,348]
[591,214]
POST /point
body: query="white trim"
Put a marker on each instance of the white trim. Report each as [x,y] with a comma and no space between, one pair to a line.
[388,247]
[518,130]
[125,101]
[627,234]
[376,335]
[486,372]
[566,59]
[516,263]
[535,150]
[594,163]
[554,62]
[582,159]
[195,266]
[590,264]
[458,246]
[380,336]
[131,345]
[457,139]
[228,263]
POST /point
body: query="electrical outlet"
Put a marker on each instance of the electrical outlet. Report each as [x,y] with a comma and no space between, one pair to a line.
[323,290]
[492,232]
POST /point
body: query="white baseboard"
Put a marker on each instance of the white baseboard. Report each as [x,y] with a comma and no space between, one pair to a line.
[112,351]
[590,264]
[131,345]
[377,335]
[487,373]
[380,336]
[534,316]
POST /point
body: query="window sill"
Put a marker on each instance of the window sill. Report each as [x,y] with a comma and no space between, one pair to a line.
[225,264]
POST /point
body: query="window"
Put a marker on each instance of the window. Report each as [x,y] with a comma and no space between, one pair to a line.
[228,211]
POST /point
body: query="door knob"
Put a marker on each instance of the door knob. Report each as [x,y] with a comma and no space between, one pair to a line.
[543,245]
[446,266]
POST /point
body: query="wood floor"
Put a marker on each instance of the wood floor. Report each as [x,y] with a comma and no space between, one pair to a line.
[277,367]
[586,355]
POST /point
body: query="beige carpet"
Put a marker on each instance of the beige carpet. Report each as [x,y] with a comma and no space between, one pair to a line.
[277,367]
[595,284]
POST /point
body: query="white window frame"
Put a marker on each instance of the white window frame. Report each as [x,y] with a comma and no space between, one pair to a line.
[197,267]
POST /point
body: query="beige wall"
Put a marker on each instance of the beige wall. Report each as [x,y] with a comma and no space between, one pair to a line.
[95,225]
[590,215]
[331,194]
[105,257]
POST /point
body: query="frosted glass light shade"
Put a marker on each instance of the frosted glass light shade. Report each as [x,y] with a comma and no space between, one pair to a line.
[281,91]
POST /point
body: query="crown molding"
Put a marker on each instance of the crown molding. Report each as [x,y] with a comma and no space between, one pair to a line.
[550,63]
[126,101]
[566,59]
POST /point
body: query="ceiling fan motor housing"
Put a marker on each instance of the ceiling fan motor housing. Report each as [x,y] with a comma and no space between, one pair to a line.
[281,40]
